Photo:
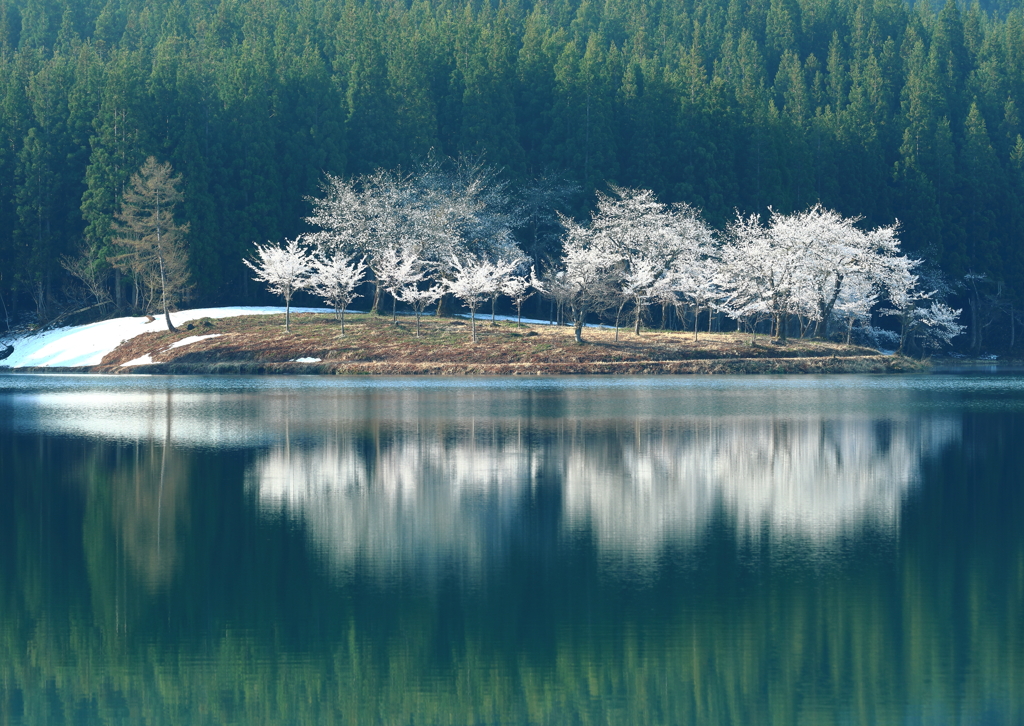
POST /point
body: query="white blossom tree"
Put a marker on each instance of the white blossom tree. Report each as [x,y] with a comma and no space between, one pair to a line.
[932,326]
[504,270]
[397,270]
[586,280]
[746,271]
[442,209]
[473,282]
[696,281]
[518,289]
[285,270]
[419,299]
[373,215]
[938,325]
[838,259]
[694,270]
[335,279]
[858,297]
[632,226]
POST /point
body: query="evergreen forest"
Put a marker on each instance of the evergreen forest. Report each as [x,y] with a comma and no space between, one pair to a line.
[872,108]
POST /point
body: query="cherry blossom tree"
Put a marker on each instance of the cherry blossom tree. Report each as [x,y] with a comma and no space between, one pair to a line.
[504,270]
[335,278]
[442,209]
[696,282]
[517,288]
[473,282]
[632,226]
[397,270]
[372,215]
[931,326]
[746,271]
[856,300]
[285,270]
[837,256]
[694,269]
[938,325]
[419,299]
[586,280]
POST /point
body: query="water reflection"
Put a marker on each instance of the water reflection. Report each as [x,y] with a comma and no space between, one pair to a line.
[402,491]
[163,552]
[137,500]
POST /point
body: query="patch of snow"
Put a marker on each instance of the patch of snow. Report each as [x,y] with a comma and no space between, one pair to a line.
[143,360]
[486,318]
[85,345]
[192,339]
[306,360]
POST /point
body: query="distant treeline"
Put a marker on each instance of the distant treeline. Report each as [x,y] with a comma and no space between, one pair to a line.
[871,107]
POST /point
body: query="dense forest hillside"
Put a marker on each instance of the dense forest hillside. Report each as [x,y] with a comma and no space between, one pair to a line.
[871,107]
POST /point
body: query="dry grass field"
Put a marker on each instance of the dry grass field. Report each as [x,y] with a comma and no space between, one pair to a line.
[375,345]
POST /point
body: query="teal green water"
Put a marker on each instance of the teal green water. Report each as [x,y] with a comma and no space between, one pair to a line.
[706,550]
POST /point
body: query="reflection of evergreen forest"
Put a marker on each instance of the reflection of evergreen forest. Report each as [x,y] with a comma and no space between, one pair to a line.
[138,585]
[869,106]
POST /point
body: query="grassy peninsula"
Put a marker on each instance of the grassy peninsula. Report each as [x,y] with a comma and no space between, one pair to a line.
[375,345]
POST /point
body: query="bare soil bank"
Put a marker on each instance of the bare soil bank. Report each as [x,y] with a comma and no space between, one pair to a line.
[375,345]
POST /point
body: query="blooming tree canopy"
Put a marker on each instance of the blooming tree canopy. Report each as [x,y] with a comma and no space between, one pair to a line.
[285,270]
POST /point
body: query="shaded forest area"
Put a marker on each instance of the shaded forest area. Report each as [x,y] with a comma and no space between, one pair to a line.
[871,107]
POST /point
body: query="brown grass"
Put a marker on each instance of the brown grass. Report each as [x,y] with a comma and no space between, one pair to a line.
[375,345]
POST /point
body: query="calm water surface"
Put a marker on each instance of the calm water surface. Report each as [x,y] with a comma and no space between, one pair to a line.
[706,550]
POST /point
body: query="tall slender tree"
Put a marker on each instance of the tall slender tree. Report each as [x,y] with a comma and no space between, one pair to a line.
[154,245]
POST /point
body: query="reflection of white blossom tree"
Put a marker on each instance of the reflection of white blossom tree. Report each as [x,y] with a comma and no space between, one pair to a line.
[433,488]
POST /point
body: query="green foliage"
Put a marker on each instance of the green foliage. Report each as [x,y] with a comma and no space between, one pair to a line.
[874,109]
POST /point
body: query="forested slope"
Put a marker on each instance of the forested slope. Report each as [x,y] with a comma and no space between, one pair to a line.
[869,106]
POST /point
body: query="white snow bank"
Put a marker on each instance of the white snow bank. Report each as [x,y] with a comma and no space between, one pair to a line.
[143,360]
[306,360]
[192,339]
[85,345]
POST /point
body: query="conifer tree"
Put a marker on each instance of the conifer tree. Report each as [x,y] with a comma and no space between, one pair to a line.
[155,252]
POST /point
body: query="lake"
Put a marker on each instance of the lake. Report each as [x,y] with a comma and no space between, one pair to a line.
[671,550]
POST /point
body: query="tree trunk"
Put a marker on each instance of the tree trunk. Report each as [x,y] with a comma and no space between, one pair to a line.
[578,330]
[781,322]
[163,296]
[444,306]
[375,309]
[821,326]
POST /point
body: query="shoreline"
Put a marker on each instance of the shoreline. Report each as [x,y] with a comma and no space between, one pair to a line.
[742,366]
[376,345]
